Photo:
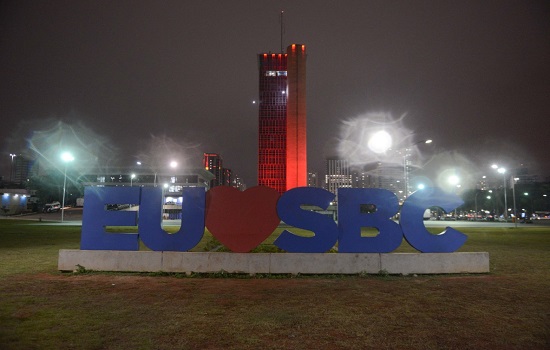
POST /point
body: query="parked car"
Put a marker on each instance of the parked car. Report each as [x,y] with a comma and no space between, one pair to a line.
[51,207]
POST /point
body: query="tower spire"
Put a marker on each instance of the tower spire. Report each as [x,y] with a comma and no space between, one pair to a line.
[282,26]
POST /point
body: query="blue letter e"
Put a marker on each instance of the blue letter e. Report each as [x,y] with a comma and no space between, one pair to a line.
[95,218]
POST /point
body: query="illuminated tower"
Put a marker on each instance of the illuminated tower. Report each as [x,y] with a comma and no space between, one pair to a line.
[282,157]
[213,162]
[296,145]
[272,121]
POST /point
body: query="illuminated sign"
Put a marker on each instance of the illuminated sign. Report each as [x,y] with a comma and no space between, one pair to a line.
[243,220]
[276,73]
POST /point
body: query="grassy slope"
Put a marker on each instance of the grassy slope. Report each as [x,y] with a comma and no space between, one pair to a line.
[41,308]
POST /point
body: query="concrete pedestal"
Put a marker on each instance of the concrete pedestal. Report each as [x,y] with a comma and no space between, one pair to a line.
[276,263]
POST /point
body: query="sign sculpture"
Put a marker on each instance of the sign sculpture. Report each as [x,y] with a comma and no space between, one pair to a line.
[242,220]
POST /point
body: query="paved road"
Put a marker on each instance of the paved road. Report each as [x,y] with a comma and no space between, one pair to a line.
[483,224]
[73,217]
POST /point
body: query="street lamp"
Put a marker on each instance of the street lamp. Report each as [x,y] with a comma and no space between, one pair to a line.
[66,157]
[132,177]
[173,164]
[155,180]
[380,142]
[503,172]
[11,168]
[454,181]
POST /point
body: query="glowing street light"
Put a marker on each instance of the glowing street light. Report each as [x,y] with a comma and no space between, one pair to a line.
[66,157]
[380,142]
[132,177]
[454,180]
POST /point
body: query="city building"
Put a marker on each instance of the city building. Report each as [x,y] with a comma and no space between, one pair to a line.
[296,133]
[213,162]
[312,179]
[238,183]
[282,152]
[13,201]
[361,179]
[172,183]
[337,174]
[22,168]
[389,177]
[226,177]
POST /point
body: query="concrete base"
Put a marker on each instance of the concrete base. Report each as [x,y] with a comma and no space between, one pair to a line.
[292,263]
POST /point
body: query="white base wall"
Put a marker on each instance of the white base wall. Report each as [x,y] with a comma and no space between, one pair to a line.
[291,263]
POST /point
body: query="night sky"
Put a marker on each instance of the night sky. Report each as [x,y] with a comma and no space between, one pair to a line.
[474,76]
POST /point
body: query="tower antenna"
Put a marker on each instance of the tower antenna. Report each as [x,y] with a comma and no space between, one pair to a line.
[282,26]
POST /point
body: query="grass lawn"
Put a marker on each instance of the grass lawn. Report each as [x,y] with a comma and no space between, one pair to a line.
[41,308]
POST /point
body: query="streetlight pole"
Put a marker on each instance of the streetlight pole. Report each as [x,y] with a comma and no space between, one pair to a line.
[132,179]
[514,197]
[66,157]
[155,180]
[11,167]
[503,172]
[475,202]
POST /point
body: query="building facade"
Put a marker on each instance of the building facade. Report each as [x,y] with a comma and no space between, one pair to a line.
[213,162]
[282,152]
[312,179]
[296,134]
[337,175]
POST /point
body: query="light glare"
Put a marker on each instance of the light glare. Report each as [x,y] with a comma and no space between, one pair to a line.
[67,157]
[380,142]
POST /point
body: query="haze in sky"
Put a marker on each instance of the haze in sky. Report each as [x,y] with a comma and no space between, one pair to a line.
[181,77]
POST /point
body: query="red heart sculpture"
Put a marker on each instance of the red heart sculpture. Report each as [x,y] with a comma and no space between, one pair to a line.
[241,220]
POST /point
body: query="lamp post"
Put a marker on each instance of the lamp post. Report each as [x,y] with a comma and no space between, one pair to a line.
[475,203]
[514,197]
[173,164]
[11,167]
[502,171]
[155,180]
[132,177]
[454,181]
[66,157]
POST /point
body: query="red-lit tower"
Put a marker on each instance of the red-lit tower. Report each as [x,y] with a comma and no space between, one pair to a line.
[282,154]
[272,121]
[296,145]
